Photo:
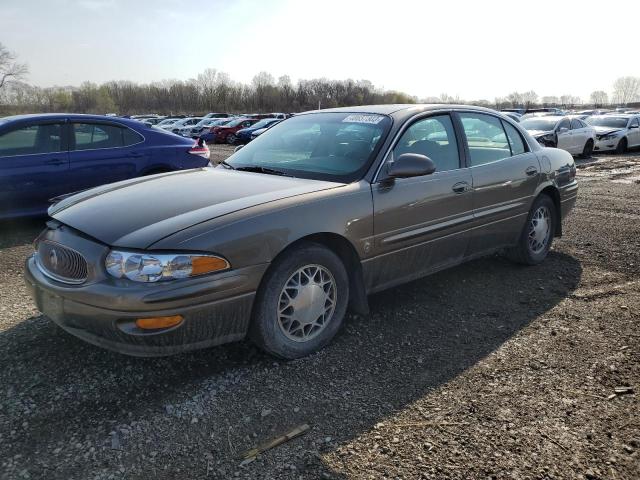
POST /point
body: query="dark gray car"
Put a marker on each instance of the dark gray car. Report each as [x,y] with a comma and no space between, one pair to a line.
[301,224]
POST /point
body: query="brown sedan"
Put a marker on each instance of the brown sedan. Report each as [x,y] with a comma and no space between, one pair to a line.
[295,228]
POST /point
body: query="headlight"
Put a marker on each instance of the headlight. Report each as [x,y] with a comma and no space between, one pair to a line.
[152,267]
[609,136]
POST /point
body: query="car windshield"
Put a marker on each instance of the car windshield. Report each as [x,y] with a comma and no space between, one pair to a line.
[263,123]
[324,146]
[538,123]
[611,122]
[168,121]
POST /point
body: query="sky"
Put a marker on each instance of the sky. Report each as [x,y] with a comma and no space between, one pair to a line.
[477,49]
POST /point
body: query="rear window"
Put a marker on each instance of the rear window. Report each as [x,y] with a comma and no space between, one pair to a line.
[93,136]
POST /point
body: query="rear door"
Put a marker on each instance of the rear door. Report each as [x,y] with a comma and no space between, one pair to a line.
[102,152]
[34,167]
[421,223]
[505,176]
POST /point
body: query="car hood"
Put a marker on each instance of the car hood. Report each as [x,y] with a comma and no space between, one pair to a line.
[606,130]
[538,133]
[137,213]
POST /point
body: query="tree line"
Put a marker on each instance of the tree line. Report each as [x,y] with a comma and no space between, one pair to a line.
[214,91]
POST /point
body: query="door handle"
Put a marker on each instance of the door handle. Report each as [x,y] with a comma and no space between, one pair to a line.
[135,154]
[55,161]
[531,171]
[460,187]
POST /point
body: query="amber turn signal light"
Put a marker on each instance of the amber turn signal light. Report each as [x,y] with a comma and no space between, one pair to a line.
[155,323]
[200,265]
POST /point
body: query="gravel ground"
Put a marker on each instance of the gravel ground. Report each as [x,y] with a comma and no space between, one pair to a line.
[488,370]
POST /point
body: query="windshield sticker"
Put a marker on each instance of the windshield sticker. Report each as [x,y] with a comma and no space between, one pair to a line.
[359,118]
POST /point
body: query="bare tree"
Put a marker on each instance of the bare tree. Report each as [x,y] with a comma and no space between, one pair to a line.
[10,70]
[626,89]
[599,98]
[550,100]
[516,99]
[529,98]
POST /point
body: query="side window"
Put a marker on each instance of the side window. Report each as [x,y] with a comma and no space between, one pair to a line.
[636,122]
[486,138]
[131,137]
[32,140]
[433,137]
[575,124]
[564,124]
[91,136]
[515,139]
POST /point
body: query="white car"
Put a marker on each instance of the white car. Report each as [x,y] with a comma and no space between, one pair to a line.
[568,133]
[616,132]
[166,123]
[195,130]
[182,123]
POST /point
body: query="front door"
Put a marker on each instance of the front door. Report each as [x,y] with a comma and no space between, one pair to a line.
[420,223]
[565,138]
[34,166]
[634,132]
[505,176]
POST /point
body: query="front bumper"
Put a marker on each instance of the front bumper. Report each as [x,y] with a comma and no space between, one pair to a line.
[102,311]
[605,145]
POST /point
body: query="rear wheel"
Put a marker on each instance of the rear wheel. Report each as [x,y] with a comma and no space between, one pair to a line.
[537,235]
[301,303]
[622,146]
[231,139]
[588,149]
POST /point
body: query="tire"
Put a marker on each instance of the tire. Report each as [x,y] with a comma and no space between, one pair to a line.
[231,139]
[532,249]
[282,329]
[622,146]
[588,149]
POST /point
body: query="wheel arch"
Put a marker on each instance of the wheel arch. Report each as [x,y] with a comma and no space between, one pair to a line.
[347,253]
[552,192]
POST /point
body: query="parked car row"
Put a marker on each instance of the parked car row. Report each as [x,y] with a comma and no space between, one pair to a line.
[582,133]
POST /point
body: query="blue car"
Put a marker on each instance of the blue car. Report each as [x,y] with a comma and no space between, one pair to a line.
[244,136]
[46,156]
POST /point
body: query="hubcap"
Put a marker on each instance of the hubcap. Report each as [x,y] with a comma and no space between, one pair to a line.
[539,230]
[307,303]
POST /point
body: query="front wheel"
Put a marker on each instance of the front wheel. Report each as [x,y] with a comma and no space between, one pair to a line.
[588,149]
[622,146]
[301,302]
[537,235]
[231,139]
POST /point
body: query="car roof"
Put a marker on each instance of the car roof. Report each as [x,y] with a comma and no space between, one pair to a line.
[73,116]
[402,111]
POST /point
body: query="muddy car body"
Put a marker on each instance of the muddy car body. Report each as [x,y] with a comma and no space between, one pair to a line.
[379,196]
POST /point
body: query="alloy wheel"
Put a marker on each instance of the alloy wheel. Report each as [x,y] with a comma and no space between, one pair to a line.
[539,229]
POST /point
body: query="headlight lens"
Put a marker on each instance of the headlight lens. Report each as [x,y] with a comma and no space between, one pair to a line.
[151,267]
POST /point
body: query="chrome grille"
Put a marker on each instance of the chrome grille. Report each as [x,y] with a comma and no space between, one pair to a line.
[61,263]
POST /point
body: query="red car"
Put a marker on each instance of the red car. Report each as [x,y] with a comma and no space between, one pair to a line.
[227,133]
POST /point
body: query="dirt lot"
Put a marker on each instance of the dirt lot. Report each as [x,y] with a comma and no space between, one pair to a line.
[488,370]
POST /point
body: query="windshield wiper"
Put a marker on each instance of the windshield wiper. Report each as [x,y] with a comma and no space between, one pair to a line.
[267,170]
[227,165]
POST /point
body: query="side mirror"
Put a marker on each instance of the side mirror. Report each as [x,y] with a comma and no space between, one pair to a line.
[633,126]
[563,130]
[237,148]
[411,165]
